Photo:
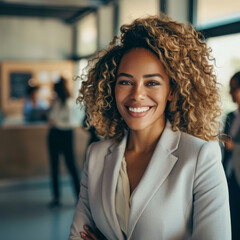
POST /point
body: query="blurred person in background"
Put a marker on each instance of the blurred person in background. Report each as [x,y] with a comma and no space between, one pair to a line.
[2,117]
[61,139]
[231,158]
[153,95]
[35,109]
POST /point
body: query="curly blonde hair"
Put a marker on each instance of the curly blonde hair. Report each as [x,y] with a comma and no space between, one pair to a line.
[195,108]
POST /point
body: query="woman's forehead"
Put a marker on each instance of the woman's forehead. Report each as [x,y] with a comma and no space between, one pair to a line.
[139,56]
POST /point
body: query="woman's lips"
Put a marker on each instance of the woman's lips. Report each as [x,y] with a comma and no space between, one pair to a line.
[138,112]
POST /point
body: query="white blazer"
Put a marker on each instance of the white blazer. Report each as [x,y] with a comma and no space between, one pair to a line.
[182,195]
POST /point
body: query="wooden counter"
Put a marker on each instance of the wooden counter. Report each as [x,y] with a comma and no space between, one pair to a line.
[23,151]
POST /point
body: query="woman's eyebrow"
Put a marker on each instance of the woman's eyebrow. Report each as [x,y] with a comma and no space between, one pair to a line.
[153,75]
[124,75]
[145,76]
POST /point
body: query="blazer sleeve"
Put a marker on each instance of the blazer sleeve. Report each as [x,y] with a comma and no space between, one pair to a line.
[211,215]
[82,214]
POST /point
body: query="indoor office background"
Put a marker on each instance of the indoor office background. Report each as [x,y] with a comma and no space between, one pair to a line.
[41,40]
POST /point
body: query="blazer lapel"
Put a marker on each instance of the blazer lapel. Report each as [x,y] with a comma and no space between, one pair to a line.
[158,169]
[112,166]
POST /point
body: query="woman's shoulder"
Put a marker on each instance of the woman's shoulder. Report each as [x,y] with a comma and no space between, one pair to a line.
[199,152]
[190,138]
[96,153]
[100,147]
[192,142]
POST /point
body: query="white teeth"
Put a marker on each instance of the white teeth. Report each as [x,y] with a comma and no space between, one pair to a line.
[138,110]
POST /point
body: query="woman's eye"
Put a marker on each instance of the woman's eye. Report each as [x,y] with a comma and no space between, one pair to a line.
[152,83]
[124,82]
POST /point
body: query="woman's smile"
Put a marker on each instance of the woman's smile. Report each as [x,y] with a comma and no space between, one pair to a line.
[138,109]
[138,112]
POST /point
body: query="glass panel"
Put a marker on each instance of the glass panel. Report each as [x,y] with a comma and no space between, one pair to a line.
[214,11]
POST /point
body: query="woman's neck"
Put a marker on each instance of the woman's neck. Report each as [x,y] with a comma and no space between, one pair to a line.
[144,141]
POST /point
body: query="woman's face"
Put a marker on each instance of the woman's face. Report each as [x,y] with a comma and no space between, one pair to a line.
[235,91]
[142,90]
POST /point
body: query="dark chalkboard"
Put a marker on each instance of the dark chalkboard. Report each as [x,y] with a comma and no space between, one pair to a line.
[19,84]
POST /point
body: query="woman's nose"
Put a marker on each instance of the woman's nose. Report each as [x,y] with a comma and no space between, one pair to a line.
[138,93]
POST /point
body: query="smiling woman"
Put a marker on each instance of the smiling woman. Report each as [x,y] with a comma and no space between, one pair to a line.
[158,175]
[142,91]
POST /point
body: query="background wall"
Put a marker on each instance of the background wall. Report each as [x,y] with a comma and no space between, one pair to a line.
[28,38]
[25,38]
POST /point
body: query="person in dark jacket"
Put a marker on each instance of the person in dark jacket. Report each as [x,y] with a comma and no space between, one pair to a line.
[231,160]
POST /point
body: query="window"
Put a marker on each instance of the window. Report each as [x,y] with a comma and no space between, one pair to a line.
[215,12]
[226,51]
